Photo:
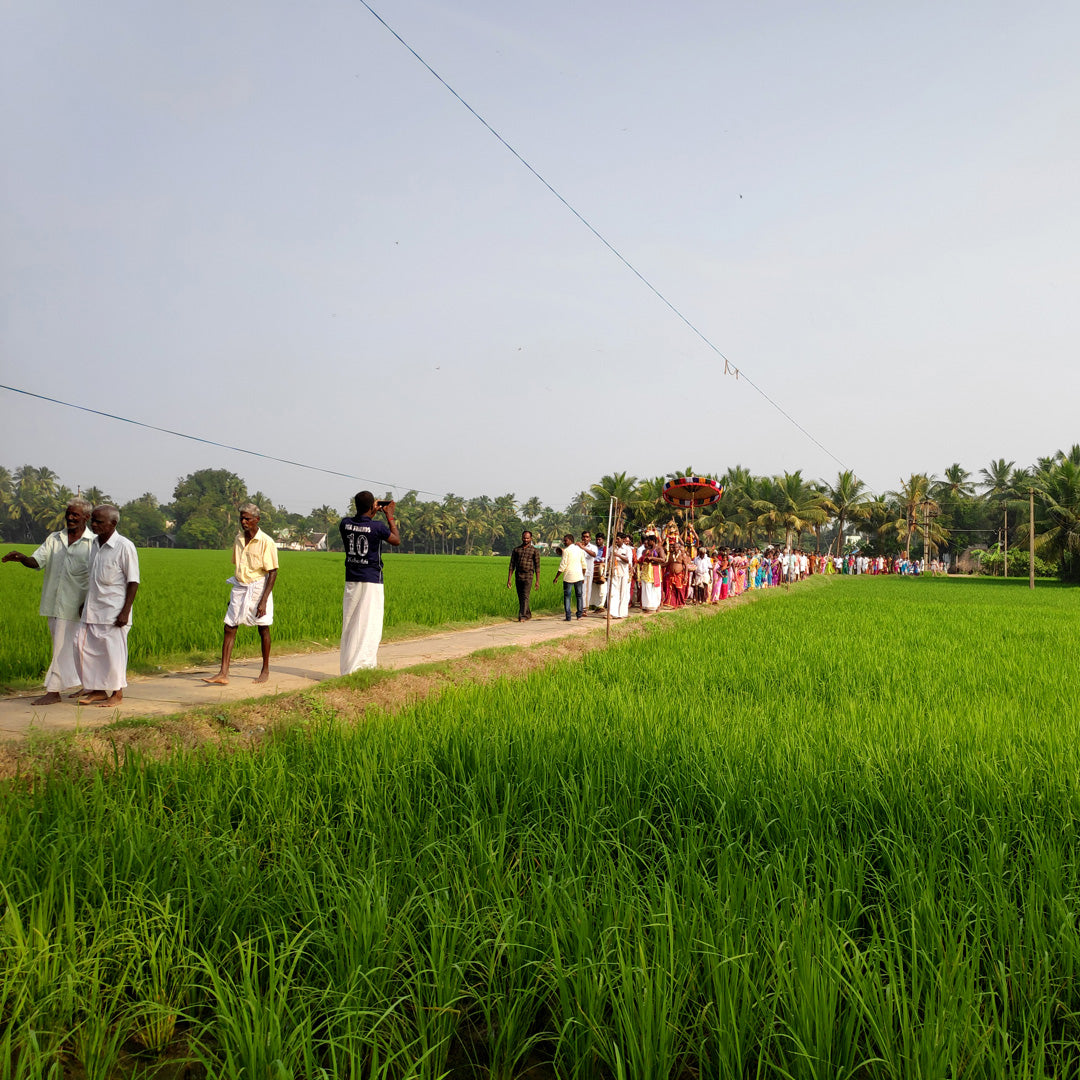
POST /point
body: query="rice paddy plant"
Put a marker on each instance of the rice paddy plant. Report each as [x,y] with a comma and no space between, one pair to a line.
[180,607]
[831,833]
[263,1013]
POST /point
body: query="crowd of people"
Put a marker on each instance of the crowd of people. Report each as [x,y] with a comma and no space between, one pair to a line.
[669,570]
[92,576]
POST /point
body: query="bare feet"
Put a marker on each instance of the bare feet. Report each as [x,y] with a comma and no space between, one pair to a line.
[51,698]
[113,699]
[93,697]
[264,675]
[219,679]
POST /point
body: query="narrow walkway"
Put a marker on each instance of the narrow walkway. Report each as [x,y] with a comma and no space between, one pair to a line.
[161,695]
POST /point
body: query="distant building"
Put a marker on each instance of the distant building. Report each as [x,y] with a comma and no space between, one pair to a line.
[968,563]
[311,542]
[161,540]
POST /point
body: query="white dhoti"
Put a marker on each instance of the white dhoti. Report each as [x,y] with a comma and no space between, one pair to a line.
[361,625]
[101,654]
[62,673]
[620,596]
[651,595]
[244,602]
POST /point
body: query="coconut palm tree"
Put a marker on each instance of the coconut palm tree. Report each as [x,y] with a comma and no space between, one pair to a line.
[844,501]
[956,484]
[504,514]
[532,508]
[7,498]
[791,504]
[617,486]
[34,504]
[1002,484]
[58,520]
[1059,520]
[647,502]
[912,507]
[96,497]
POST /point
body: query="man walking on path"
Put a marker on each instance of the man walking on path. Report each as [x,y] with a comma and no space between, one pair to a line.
[591,553]
[251,602]
[363,604]
[65,558]
[572,567]
[524,571]
[620,577]
[101,648]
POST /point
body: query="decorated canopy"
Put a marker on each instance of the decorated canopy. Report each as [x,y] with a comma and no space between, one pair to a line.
[690,491]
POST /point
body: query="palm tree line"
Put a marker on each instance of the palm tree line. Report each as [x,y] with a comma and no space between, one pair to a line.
[926,515]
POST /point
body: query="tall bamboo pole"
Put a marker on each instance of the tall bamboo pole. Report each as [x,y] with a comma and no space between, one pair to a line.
[608,554]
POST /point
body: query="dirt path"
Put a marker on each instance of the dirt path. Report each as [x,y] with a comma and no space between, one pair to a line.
[164,695]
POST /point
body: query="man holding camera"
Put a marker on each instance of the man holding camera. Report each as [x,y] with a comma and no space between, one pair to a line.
[362,609]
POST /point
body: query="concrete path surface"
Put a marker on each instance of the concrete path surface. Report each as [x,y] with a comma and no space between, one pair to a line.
[161,695]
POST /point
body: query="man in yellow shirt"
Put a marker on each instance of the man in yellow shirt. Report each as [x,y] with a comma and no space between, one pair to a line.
[251,602]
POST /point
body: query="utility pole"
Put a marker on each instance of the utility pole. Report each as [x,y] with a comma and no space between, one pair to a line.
[926,533]
[1031,538]
[1006,539]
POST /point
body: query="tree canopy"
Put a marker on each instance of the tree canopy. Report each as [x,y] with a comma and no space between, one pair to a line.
[946,515]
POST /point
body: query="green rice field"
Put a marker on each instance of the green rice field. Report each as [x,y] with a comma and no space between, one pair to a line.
[180,607]
[832,833]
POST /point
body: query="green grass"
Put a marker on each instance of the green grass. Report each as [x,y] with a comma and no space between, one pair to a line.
[179,611]
[832,833]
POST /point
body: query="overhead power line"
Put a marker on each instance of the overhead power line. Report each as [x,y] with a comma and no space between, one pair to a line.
[212,442]
[729,367]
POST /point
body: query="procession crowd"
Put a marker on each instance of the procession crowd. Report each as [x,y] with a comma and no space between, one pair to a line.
[91,578]
[662,573]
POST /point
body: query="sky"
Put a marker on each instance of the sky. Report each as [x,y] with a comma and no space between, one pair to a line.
[268,225]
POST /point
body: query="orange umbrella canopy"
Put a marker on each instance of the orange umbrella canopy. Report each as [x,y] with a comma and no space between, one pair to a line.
[692,491]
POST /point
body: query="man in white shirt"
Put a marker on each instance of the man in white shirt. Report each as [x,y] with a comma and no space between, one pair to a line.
[702,576]
[572,568]
[101,641]
[620,577]
[591,553]
[65,558]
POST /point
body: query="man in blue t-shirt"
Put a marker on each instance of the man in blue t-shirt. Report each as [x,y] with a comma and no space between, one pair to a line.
[362,610]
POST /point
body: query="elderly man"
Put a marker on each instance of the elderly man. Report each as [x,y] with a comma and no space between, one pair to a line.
[251,602]
[101,650]
[65,558]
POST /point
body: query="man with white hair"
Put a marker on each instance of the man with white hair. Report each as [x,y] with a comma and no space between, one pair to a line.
[251,602]
[101,649]
[65,558]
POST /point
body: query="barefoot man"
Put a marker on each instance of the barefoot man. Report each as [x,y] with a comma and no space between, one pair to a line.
[101,648]
[65,558]
[251,603]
